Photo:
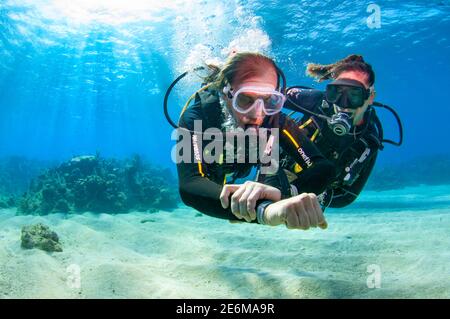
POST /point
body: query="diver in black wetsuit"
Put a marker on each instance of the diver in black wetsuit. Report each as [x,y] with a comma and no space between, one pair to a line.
[243,94]
[343,125]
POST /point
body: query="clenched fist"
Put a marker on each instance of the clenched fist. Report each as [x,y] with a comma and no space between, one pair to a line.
[243,200]
[299,212]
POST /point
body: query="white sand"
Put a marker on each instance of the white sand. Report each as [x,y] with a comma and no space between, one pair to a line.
[178,254]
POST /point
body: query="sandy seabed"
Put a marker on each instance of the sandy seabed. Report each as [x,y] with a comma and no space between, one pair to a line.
[182,254]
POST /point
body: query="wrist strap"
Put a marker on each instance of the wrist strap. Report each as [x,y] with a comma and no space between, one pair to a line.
[294,190]
[260,211]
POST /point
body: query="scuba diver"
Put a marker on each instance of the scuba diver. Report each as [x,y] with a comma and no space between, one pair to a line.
[248,93]
[343,124]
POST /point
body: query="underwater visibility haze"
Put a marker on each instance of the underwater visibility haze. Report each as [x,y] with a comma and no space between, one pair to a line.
[85,151]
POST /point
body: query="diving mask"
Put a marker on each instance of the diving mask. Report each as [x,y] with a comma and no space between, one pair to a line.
[347,93]
[249,98]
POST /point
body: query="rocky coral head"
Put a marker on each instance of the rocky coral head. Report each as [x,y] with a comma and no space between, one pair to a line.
[40,236]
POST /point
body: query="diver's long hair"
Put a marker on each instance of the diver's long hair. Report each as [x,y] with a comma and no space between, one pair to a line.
[353,62]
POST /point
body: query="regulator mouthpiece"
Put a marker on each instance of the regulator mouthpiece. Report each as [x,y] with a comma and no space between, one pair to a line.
[340,123]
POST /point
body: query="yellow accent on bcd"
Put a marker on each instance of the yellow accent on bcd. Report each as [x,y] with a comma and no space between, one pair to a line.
[291,138]
[200,168]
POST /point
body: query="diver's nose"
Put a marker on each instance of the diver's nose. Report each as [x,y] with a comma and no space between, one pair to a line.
[343,101]
[258,110]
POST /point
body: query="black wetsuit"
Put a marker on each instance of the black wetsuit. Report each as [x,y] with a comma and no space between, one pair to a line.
[353,155]
[200,184]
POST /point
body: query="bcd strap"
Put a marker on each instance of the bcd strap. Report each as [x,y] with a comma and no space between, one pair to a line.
[211,109]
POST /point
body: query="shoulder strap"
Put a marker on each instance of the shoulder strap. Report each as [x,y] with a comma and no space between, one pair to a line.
[211,108]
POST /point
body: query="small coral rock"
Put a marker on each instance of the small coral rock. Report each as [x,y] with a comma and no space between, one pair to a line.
[41,237]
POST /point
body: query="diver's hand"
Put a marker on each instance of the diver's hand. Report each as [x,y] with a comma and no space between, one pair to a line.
[299,212]
[243,200]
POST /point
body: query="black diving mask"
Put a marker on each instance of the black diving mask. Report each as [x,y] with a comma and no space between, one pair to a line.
[347,93]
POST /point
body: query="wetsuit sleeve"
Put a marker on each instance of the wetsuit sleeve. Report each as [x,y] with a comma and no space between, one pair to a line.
[308,99]
[345,196]
[314,171]
[196,190]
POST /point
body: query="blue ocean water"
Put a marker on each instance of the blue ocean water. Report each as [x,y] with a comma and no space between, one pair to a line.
[79,77]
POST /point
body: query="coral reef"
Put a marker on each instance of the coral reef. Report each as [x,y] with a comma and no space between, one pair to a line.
[96,184]
[40,236]
[15,176]
[7,201]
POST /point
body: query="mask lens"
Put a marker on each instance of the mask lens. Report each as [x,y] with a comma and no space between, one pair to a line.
[332,93]
[273,103]
[244,101]
[355,96]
